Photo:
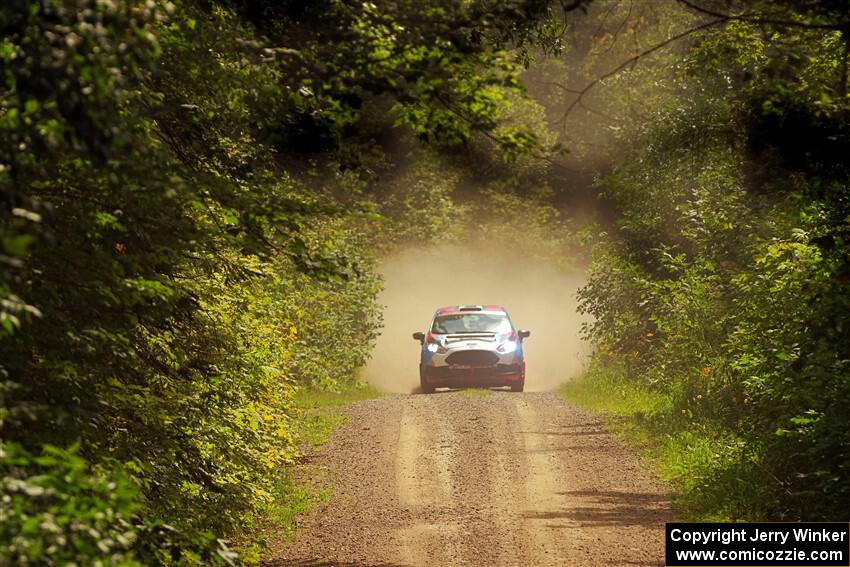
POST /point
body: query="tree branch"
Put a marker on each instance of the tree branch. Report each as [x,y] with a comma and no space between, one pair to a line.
[765,20]
[842,86]
[632,60]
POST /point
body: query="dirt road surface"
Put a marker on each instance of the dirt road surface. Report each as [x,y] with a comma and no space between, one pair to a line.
[502,479]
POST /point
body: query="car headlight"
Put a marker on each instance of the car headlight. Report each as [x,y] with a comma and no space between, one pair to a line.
[507,347]
[432,347]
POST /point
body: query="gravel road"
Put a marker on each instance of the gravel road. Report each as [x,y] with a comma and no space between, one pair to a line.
[502,479]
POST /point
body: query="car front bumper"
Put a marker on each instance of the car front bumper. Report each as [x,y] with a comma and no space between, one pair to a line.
[470,376]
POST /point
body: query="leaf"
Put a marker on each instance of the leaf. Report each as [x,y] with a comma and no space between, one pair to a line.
[17,245]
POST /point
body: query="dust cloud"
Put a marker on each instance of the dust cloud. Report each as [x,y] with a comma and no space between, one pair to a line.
[538,297]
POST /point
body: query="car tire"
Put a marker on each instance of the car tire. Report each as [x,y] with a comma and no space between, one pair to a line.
[425,387]
[517,386]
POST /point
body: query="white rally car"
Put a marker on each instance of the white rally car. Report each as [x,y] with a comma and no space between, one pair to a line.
[471,345]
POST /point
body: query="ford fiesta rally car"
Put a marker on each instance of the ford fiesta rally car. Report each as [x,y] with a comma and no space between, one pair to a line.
[471,345]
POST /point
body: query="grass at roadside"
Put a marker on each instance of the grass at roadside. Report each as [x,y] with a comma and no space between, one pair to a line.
[320,412]
[625,408]
[706,467]
[606,390]
[476,392]
[303,486]
[307,398]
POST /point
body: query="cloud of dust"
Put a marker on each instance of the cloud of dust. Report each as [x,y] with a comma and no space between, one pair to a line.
[538,297]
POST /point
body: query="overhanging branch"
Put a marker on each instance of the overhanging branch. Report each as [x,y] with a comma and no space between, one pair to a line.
[765,20]
[634,59]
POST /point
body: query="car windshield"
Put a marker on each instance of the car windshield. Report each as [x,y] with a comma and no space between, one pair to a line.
[471,323]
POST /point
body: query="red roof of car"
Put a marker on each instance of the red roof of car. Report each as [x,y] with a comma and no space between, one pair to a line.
[459,308]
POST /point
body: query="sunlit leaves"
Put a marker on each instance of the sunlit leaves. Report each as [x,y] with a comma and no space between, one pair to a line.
[724,283]
[181,247]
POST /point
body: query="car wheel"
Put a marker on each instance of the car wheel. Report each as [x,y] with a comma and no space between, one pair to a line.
[517,386]
[425,387]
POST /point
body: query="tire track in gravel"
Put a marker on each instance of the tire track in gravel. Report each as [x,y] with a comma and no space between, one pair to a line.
[543,491]
[499,480]
[425,486]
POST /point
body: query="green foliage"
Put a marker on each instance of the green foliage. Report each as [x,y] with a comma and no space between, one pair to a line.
[187,222]
[422,201]
[723,284]
[301,487]
[604,388]
[57,510]
[310,399]
[293,497]
[475,392]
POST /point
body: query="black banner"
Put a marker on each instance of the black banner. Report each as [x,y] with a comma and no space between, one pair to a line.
[819,544]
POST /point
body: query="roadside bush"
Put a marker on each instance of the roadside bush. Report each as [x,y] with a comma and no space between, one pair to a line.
[57,510]
[185,239]
[724,283]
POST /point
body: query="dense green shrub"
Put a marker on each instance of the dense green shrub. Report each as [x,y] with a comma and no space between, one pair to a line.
[188,214]
[58,510]
[724,283]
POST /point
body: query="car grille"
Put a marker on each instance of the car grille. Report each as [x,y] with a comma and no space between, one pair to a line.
[448,372]
[473,358]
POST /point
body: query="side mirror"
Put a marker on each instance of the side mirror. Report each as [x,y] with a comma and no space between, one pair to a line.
[523,334]
[419,337]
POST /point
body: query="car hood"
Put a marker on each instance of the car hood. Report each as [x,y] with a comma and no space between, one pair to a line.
[464,341]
